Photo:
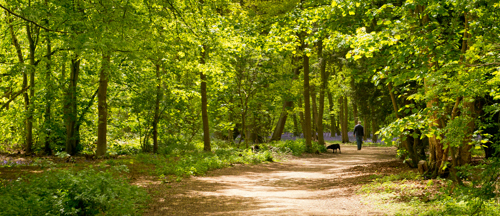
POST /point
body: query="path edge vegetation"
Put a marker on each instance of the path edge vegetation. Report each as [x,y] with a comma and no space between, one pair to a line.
[93,79]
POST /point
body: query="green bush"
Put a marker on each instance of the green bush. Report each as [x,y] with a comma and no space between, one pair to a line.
[63,192]
[298,147]
[183,160]
[320,148]
[123,148]
[198,162]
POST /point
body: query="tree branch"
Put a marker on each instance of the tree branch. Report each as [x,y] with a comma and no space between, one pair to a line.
[182,18]
[50,54]
[13,97]
[33,22]
[91,102]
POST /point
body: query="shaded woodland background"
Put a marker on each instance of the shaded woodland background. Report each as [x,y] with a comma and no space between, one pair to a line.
[97,77]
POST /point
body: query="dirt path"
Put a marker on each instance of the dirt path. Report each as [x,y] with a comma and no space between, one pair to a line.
[323,184]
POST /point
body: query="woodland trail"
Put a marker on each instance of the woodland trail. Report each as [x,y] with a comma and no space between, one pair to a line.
[312,184]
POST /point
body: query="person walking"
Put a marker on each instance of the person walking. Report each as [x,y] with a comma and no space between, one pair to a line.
[359,132]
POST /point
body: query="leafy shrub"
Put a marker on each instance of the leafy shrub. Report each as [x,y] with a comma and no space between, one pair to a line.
[298,147]
[320,148]
[177,147]
[199,162]
[63,192]
[124,148]
[184,160]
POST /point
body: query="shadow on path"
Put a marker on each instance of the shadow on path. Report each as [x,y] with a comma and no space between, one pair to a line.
[312,184]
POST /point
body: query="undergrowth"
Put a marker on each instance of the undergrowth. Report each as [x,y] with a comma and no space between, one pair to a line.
[65,192]
[409,194]
[184,160]
[102,191]
[192,161]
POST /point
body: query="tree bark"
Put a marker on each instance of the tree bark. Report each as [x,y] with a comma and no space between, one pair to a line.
[333,122]
[157,108]
[204,103]
[365,128]
[307,105]
[301,116]
[346,117]
[374,125]
[339,123]
[48,98]
[102,106]
[324,80]
[464,153]
[70,107]
[280,126]
[393,99]
[29,119]
[354,104]
[343,120]
[314,128]
[435,145]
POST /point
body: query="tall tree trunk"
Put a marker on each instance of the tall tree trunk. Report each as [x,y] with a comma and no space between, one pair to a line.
[102,106]
[29,119]
[435,145]
[365,128]
[333,122]
[374,125]
[368,128]
[343,120]
[346,118]
[70,106]
[204,103]
[157,109]
[314,128]
[48,98]
[464,153]
[280,126]
[301,117]
[307,105]
[393,99]
[324,80]
[355,112]
[339,123]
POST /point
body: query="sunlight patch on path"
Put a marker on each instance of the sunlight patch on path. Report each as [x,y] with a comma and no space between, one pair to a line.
[309,185]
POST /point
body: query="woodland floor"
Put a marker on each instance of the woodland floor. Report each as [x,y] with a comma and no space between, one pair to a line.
[313,184]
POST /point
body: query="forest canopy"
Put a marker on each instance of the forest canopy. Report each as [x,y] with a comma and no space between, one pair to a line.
[82,76]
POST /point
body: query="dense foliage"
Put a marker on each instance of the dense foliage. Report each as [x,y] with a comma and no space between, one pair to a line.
[94,77]
[62,192]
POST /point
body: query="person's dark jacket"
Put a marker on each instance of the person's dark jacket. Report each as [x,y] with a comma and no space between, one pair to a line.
[358,130]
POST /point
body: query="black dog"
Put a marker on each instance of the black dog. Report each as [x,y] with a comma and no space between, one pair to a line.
[334,147]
